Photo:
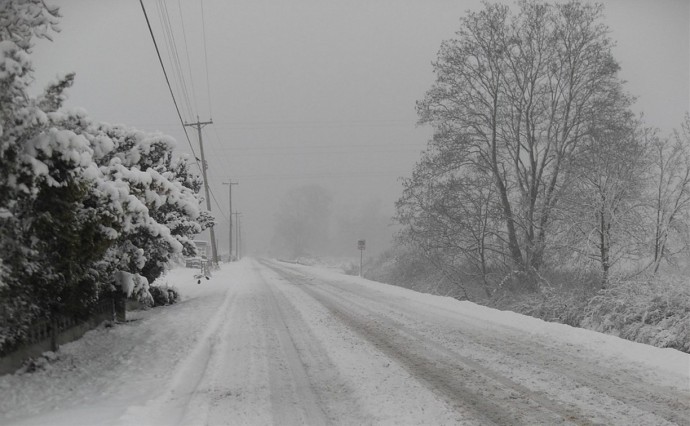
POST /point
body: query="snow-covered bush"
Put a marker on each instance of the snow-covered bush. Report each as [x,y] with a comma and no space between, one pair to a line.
[562,306]
[160,296]
[164,295]
[407,267]
[653,310]
[135,287]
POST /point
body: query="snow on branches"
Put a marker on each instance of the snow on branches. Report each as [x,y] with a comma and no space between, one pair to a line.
[82,204]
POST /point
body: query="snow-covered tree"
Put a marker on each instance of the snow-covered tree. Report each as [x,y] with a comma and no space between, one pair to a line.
[516,93]
[670,195]
[85,208]
[451,214]
[165,186]
[601,216]
[21,117]
[157,204]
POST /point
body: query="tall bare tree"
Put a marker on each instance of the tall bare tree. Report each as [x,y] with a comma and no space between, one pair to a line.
[603,210]
[450,212]
[517,94]
[670,201]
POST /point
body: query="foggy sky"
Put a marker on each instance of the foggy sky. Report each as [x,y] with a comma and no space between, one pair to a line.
[311,91]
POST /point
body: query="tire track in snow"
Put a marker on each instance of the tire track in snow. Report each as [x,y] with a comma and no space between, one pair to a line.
[493,398]
[173,406]
[358,384]
[654,403]
[272,370]
[441,375]
[334,396]
[302,405]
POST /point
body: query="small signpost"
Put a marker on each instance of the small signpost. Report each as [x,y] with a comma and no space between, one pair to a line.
[361,245]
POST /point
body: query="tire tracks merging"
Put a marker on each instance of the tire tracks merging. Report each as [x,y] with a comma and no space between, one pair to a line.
[462,382]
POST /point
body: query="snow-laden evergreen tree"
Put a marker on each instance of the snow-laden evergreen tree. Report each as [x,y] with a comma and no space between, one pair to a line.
[167,189]
[51,233]
[85,208]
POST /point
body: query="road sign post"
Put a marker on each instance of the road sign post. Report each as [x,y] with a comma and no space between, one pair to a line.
[361,245]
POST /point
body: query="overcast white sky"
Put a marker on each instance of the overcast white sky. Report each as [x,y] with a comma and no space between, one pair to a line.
[313,91]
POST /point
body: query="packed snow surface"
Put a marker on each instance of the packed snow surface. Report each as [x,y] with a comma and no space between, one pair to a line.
[265,342]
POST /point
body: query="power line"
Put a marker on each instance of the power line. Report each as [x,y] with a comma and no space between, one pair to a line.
[208,84]
[300,124]
[215,201]
[336,175]
[167,80]
[316,124]
[177,109]
[356,150]
[174,55]
[168,49]
[186,48]
[177,67]
[214,146]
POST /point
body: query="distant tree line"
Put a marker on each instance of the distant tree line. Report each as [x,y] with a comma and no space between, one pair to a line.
[310,224]
[537,162]
[86,208]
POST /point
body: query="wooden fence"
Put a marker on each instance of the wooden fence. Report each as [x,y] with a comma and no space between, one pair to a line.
[48,335]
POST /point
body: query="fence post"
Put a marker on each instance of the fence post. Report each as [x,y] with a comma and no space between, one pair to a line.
[53,333]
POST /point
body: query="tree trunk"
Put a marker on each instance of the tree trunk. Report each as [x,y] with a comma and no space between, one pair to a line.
[513,245]
[604,248]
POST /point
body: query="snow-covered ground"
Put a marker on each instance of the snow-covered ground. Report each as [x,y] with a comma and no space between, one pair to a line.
[265,342]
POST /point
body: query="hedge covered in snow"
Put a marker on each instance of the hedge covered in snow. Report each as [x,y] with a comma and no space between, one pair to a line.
[655,311]
[650,309]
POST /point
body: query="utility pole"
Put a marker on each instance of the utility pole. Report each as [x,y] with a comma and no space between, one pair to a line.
[230,184]
[199,125]
[237,234]
[361,245]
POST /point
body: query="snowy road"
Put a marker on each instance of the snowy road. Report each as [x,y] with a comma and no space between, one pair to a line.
[267,342]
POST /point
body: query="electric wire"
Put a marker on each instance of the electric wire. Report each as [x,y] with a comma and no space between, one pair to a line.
[189,62]
[220,142]
[214,156]
[177,64]
[175,57]
[208,84]
[344,175]
[167,80]
[233,126]
[177,108]
[216,152]
[167,45]
[215,201]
